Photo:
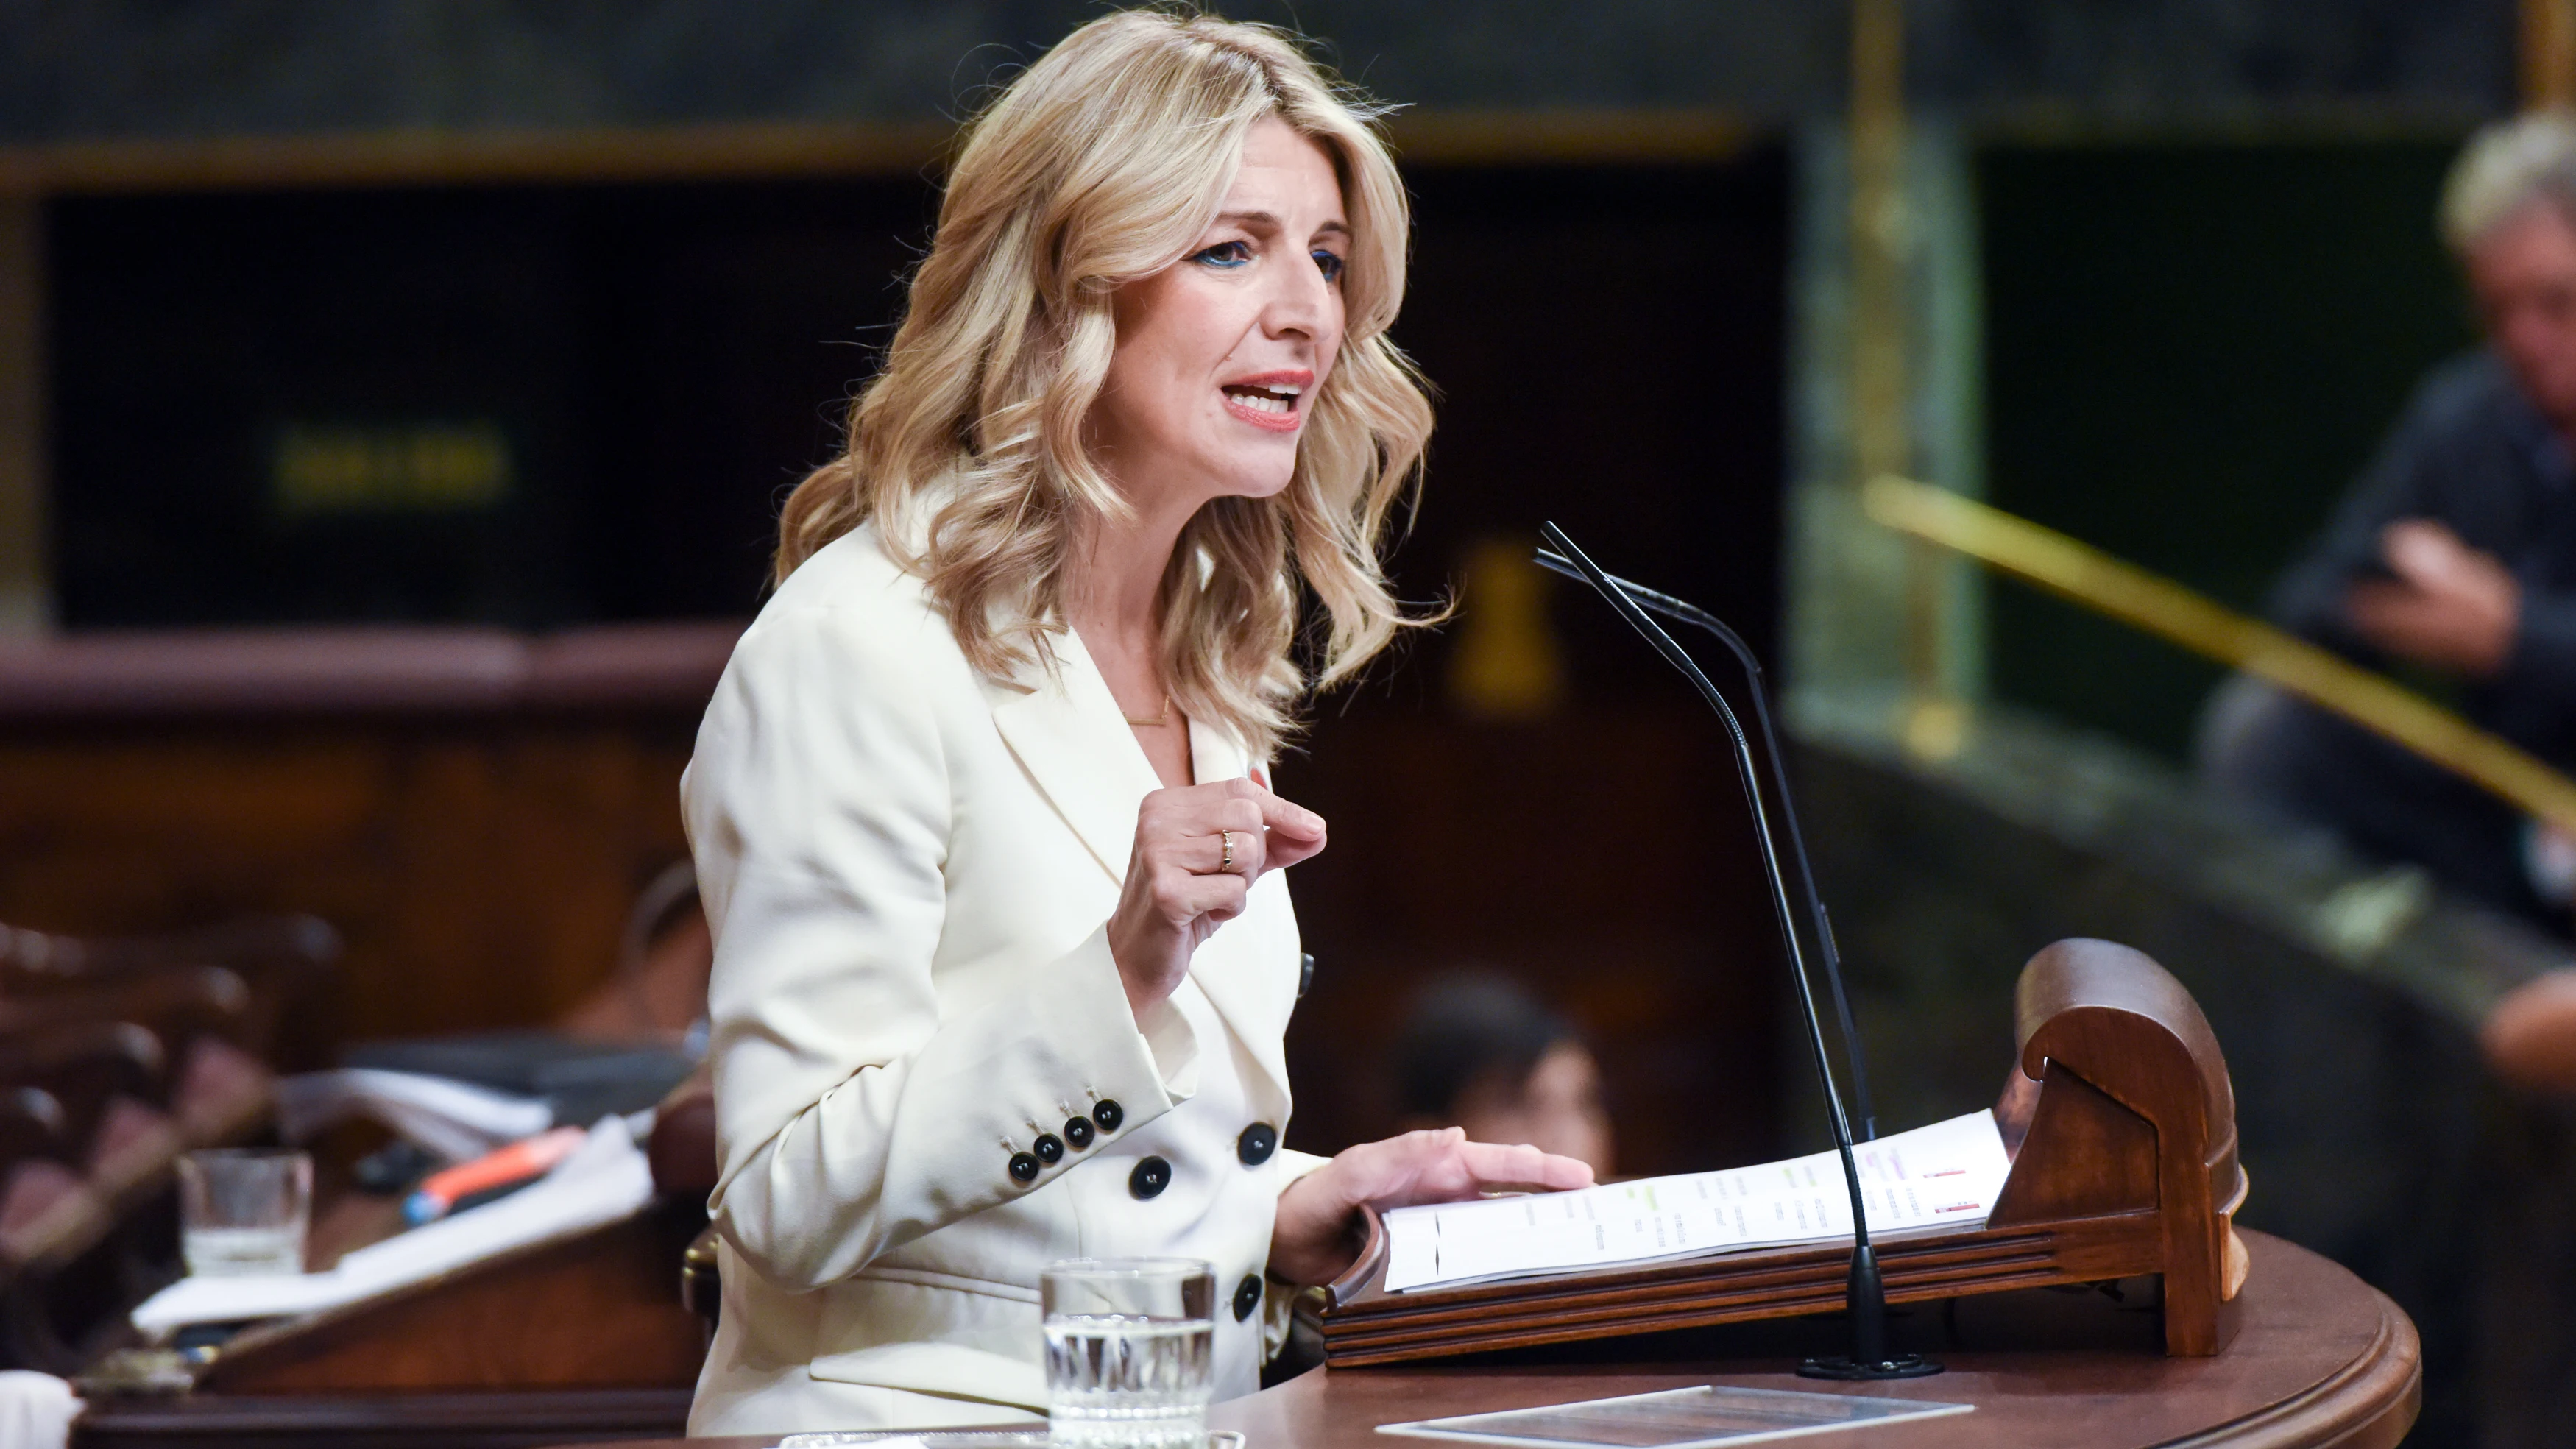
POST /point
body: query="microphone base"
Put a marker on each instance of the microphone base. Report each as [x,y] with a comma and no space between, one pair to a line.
[1841,1366]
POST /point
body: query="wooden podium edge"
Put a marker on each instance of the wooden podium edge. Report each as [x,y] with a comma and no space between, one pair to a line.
[447,1333]
[249,1344]
[2326,1362]
[2370,1403]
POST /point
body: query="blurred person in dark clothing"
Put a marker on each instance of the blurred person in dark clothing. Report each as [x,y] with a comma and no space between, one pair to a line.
[1478,1051]
[2454,555]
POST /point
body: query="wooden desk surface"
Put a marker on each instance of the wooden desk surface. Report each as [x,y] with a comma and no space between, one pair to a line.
[2320,1359]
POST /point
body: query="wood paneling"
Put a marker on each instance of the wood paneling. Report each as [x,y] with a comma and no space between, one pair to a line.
[480,867]
[1600,859]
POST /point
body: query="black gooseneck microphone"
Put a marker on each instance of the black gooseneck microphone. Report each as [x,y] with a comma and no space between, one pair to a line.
[1865,1297]
[1685,612]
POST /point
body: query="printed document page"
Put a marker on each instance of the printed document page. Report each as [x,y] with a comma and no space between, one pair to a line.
[1949,1172]
[1711,1416]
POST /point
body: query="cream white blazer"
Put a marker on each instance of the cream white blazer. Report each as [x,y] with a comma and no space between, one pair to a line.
[928,1081]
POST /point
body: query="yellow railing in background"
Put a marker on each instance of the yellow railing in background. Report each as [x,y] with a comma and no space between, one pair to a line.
[2090,577]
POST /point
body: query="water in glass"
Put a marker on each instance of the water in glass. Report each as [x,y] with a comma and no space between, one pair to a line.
[236,1252]
[244,1211]
[1129,1381]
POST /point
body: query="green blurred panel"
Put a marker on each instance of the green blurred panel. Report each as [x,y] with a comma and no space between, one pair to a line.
[2191,349]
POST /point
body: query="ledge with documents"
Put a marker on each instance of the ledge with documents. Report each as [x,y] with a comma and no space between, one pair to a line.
[2106,1300]
[2319,1358]
[2129,1168]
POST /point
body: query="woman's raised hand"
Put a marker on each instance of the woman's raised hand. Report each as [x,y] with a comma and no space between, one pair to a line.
[1198,850]
[1315,1239]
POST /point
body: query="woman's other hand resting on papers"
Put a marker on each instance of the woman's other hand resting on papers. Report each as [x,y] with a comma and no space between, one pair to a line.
[1198,850]
[1316,1237]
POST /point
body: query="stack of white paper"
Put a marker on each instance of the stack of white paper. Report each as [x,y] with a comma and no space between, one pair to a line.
[457,1120]
[1949,1172]
[605,1179]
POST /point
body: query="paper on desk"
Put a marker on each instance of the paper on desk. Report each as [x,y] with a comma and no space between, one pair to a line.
[605,1179]
[1949,1172]
[457,1120]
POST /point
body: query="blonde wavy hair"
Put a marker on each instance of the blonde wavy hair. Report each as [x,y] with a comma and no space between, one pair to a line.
[1103,163]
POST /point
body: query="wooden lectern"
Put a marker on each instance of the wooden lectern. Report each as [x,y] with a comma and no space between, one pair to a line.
[2129,1169]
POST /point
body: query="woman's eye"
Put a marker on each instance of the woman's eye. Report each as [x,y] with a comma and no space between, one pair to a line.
[1328,263]
[1225,254]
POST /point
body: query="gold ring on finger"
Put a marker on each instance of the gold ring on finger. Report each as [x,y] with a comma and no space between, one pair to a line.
[1225,861]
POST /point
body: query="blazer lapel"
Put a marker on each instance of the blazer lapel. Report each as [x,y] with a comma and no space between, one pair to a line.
[1069,735]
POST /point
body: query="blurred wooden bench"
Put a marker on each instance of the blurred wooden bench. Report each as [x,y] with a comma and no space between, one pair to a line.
[587,1338]
[115,1057]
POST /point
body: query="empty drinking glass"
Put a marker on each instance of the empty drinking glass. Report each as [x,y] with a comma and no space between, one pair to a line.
[1130,1347]
[244,1211]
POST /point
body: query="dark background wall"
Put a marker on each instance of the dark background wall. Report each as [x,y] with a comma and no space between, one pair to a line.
[72,68]
[659,362]
[663,362]
[2192,347]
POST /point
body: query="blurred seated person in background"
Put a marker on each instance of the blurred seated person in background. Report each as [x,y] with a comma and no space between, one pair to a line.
[2454,555]
[1479,1052]
[660,990]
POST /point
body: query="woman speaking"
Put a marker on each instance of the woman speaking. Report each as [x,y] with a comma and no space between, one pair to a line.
[1004,952]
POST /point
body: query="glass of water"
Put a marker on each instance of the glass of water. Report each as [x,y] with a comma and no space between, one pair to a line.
[244,1211]
[1130,1346]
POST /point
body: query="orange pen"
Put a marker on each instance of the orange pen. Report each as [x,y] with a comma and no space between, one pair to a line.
[526,1158]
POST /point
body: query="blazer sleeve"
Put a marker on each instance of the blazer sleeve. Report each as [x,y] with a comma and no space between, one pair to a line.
[851,1116]
[1279,1300]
